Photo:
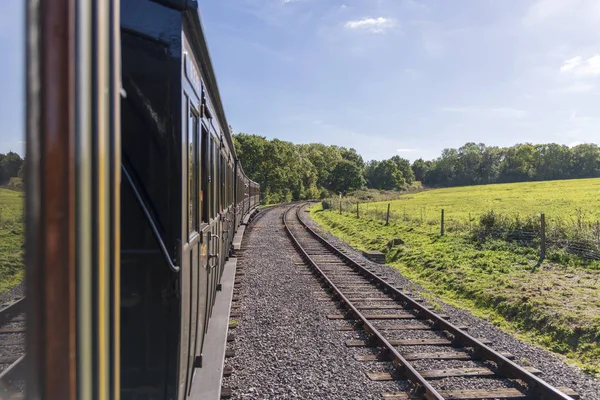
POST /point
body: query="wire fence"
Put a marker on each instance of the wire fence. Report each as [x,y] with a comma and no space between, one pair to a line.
[578,234]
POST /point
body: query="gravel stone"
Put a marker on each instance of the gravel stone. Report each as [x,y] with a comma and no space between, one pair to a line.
[555,370]
[9,296]
[285,347]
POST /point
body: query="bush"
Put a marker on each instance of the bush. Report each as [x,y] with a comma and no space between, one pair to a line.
[16,184]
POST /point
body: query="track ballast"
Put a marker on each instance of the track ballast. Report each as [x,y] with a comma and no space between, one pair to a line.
[417,344]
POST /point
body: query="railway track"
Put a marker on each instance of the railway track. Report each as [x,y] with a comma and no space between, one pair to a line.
[412,341]
[12,350]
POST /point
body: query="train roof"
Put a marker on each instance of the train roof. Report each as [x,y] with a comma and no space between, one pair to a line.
[197,39]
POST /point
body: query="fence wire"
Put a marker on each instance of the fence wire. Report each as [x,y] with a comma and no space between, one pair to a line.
[577,235]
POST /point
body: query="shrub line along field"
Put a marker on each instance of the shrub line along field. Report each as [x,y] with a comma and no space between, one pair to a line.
[11,238]
[556,305]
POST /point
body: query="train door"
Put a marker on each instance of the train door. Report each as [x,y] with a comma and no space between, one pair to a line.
[191,240]
[205,194]
[193,250]
[213,245]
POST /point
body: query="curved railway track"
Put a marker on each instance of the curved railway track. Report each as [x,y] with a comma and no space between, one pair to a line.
[418,344]
[12,350]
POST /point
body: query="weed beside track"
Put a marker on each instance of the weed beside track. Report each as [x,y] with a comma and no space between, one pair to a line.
[12,238]
[556,306]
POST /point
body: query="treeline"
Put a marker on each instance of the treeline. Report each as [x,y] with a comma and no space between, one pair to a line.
[475,164]
[11,166]
[288,171]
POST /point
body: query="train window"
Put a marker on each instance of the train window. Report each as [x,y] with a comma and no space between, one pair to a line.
[193,166]
[211,180]
[223,183]
[205,189]
[215,175]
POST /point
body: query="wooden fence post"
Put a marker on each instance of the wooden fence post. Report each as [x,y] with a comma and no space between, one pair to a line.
[340,206]
[442,224]
[357,216]
[387,216]
[542,237]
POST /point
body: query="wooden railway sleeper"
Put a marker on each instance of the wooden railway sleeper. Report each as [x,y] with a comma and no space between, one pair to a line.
[537,387]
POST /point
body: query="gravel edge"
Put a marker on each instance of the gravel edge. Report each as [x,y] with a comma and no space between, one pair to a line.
[285,348]
[555,370]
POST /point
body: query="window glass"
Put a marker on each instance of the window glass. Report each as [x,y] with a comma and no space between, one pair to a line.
[193,189]
[205,189]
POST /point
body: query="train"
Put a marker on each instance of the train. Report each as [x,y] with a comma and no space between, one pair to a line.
[134,195]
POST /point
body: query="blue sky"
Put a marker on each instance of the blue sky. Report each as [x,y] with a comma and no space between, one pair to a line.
[12,64]
[387,77]
[408,77]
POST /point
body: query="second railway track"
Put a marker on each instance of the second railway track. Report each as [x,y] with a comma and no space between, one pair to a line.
[418,344]
[12,350]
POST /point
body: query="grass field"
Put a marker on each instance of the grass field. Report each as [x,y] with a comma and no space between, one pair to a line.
[11,238]
[554,305]
[567,199]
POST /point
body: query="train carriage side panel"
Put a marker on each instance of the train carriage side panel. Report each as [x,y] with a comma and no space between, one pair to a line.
[151,158]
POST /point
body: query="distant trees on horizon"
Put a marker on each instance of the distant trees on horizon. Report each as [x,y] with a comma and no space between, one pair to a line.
[288,171]
[476,164]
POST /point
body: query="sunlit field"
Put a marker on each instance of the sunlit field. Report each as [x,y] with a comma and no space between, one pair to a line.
[555,304]
[566,199]
[11,238]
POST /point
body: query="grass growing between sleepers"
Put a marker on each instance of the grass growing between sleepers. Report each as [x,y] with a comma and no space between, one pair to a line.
[555,306]
[11,238]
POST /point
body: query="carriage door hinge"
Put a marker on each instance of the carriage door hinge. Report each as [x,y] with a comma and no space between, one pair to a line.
[198,361]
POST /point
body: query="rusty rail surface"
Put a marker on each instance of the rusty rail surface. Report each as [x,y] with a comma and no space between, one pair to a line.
[537,388]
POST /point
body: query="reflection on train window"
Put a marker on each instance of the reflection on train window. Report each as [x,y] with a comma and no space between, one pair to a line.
[205,196]
[215,175]
[193,172]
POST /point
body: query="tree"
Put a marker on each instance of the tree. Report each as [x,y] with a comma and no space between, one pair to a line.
[489,169]
[518,164]
[585,161]
[421,169]
[385,175]
[10,164]
[346,177]
[404,167]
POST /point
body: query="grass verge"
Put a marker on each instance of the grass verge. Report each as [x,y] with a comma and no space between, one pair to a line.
[11,238]
[555,306]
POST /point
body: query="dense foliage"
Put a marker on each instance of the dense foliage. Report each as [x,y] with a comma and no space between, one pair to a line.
[288,171]
[11,166]
[474,164]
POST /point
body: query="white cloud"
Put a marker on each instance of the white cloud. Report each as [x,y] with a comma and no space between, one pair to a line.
[576,88]
[494,112]
[571,64]
[406,150]
[577,66]
[373,25]
[562,12]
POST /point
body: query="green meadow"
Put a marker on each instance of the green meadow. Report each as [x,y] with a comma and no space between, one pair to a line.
[555,305]
[11,238]
[566,199]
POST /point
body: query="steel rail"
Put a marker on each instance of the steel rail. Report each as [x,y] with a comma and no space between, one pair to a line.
[12,310]
[400,362]
[14,371]
[537,388]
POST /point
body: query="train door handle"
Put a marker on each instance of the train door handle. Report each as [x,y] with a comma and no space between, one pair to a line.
[210,257]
